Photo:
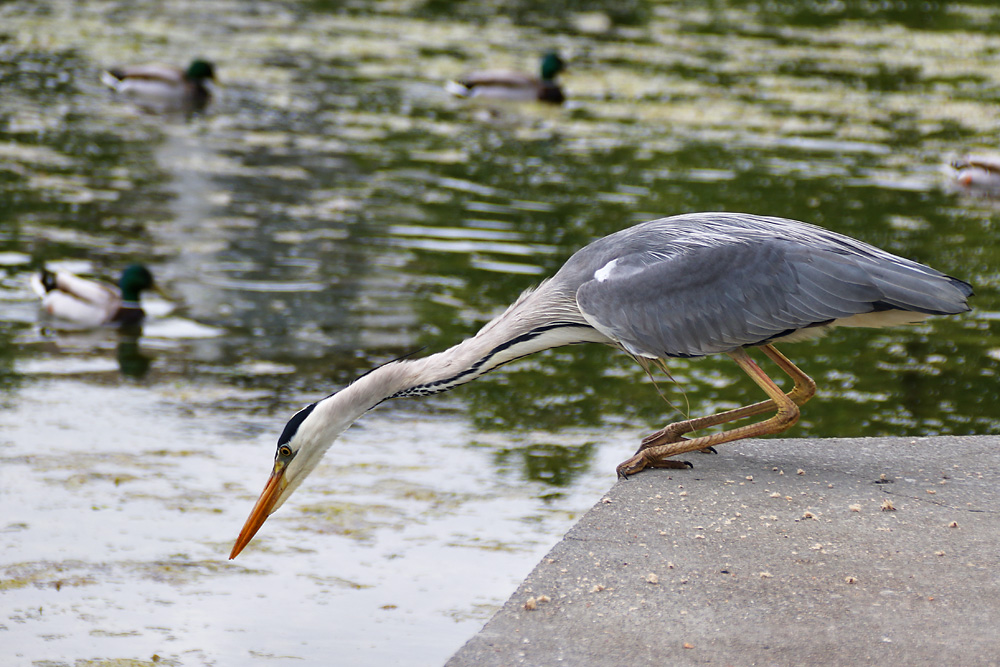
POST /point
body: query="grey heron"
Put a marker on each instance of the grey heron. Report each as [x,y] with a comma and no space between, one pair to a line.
[684,286]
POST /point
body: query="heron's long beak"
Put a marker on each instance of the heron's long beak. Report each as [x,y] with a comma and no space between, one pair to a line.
[276,483]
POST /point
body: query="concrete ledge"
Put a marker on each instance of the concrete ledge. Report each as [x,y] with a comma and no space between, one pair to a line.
[777,552]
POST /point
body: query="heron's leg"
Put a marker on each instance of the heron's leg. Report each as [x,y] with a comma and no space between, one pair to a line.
[805,386]
[804,389]
[787,414]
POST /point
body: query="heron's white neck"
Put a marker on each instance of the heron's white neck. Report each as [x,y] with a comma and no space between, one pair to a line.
[524,328]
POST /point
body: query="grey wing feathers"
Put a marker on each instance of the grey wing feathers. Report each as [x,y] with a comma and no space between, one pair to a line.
[707,298]
[913,291]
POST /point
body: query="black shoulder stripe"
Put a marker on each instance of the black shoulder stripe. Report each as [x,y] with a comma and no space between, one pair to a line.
[475,370]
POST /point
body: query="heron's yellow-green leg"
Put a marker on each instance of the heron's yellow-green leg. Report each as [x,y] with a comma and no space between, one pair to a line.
[804,389]
[786,415]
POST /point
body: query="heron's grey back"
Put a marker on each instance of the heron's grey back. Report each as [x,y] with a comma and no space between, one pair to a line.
[700,284]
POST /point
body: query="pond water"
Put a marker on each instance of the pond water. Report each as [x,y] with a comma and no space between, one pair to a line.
[334,208]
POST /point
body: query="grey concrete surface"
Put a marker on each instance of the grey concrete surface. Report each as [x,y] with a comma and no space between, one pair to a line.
[774,552]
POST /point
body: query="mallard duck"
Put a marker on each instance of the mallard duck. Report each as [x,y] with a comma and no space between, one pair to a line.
[163,87]
[92,303]
[510,85]
[978,174]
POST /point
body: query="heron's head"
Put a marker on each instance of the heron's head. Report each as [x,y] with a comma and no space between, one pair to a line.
[306,437]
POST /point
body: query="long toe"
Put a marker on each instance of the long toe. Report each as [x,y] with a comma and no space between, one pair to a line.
[671,464]
[641,461]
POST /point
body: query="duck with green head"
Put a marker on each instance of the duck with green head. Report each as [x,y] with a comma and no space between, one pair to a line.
[498,84]
[163,88]
[91,303]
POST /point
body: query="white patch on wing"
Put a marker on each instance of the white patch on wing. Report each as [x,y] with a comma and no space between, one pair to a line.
[603,273]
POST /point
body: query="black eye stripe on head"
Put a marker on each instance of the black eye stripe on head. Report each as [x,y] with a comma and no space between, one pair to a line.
[292,427]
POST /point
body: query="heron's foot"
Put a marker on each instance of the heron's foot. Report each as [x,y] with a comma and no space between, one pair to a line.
[708,450]
[641,461]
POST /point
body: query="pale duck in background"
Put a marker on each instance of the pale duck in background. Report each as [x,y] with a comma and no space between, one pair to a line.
[499,84]
[91,303]
[163,88]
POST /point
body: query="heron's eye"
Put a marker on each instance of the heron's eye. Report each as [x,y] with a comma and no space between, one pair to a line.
[284,451]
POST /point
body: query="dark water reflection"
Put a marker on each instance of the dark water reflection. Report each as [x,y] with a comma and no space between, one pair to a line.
[330,213]
[333,209]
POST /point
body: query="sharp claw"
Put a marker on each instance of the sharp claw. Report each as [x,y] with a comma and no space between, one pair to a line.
[630,467]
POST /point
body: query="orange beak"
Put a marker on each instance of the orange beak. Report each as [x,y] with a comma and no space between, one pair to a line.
[269,496]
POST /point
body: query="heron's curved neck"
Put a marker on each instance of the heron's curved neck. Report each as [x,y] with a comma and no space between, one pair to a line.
[526,327]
